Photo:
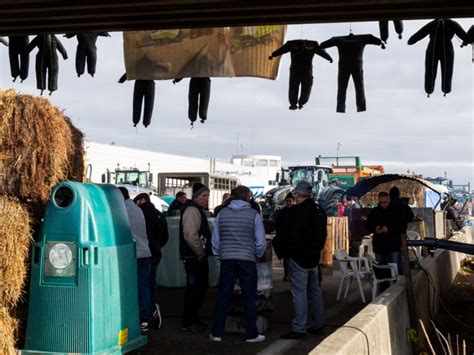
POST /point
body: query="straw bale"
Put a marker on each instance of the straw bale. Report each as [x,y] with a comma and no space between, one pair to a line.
[15,242]
[76,169]
[408,188]
[35,146]
[8,332]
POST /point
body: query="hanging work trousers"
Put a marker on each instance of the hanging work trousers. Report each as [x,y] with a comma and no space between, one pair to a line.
[86,52]
[303,79]
[347,70]
[47,69]
[19,57]
[198,98]
[143,95]
[383,26]
[443,54]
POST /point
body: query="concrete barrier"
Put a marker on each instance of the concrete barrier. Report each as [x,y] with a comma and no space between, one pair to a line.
[380,328]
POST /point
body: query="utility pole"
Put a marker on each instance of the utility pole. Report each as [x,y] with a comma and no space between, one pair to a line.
[339,145]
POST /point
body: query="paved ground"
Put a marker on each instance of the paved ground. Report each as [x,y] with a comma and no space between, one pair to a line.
[170,340]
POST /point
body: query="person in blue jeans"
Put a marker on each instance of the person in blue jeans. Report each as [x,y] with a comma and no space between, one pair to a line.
[301,238]
[238,240]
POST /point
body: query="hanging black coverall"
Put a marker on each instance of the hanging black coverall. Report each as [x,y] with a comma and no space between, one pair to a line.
[301,68]
[351,52]
[143,93]
[440,49]
[47,60]
[198,98]
[19,57]
[86,50]
[383,25]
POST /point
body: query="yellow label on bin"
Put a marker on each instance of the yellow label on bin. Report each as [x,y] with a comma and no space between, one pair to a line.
[122,336]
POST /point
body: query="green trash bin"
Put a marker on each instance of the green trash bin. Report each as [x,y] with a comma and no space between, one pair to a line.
[83,291]
[171,271]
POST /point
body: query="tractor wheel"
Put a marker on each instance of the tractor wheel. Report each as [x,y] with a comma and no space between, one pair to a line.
[331,204]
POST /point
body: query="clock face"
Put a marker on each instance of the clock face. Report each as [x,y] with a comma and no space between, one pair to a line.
[60,256]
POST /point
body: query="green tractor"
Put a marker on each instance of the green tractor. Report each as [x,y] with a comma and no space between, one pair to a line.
[131,176]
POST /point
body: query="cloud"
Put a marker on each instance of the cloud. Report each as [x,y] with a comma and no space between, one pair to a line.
[401,128]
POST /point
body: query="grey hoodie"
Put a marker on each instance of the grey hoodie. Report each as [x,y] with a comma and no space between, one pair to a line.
[138,227]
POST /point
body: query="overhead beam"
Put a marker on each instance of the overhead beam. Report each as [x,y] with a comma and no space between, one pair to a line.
[59,16]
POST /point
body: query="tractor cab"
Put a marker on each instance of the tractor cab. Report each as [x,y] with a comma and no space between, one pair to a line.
[132,176]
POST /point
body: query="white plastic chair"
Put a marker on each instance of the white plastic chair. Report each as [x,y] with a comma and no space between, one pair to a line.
[348,274]
[376,281]
[365,249]
[412,235]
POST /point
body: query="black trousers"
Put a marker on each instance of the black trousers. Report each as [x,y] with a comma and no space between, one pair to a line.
[445,56]
[143,94]
[303,79]
[84,54]
[155,262]
[198,98]
[19,58]
[197,283]
[345,72]
[47,70]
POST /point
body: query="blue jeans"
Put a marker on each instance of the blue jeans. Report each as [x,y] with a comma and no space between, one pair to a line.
[246,272]
[391,257]
[304,281]
[143,278]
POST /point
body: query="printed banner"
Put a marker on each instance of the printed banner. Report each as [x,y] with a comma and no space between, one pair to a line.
[203,52]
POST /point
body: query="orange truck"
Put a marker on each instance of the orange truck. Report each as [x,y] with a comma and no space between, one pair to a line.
[348,171]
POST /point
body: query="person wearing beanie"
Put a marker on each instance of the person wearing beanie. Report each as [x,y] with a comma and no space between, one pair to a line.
[194,248]
[302,239]
[138,228]
[281,220]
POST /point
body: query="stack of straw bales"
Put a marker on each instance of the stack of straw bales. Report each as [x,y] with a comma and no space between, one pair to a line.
[39,147]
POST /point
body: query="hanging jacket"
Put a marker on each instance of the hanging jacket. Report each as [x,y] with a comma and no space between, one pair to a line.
[383,26]
[470,36]
[440,49]
[86,50]
[194,232]
[19,57]
[47,60]
[351,53]
[302,54]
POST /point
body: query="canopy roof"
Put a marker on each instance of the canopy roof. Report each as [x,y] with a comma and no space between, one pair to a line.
[366,185]
[59,16]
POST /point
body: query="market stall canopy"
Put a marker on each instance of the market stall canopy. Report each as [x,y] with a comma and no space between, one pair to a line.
[367,185]
[58,16]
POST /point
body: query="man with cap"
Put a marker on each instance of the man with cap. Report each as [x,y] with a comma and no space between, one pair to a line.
[194,248]
[303,238]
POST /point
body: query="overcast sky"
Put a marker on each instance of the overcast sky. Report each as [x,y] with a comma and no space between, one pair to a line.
[401,129]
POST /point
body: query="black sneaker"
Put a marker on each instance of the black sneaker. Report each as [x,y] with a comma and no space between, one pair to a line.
[157,316]
[316,331]
[144,327]
[293,335]
[194,328]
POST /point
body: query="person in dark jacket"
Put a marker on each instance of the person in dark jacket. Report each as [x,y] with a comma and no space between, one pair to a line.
[280,221]
[302,239]
[194,248]
[386,226]
[440,50]
[238,240]
[86,50]
[178,203]
[157,232]
[19,57]
[226,200]
[401,208]
[301,68]
[351,53]
[143,95]
[47,60]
